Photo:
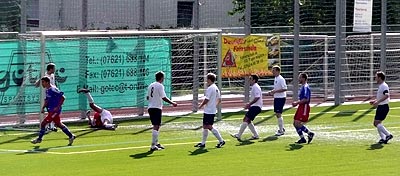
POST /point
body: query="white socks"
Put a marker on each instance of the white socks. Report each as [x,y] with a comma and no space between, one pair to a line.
[217,134]
[382,129]
[242,128]
[280,123]
[154,138]
[205,135]
[252,129]
[89,97]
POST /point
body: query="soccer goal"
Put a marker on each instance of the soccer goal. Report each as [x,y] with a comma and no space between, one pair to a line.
[116,66]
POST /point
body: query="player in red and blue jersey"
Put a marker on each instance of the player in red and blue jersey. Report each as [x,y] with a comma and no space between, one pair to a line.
[53,102]
[303,111]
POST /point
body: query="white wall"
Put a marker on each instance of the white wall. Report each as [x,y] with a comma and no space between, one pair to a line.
[118,13]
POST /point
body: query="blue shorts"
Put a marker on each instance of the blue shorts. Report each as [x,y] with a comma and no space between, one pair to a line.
[381,112]
[208,119]
[253,112]
[278,104]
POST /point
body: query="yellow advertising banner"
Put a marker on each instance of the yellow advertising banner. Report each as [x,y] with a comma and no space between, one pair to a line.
[243,56]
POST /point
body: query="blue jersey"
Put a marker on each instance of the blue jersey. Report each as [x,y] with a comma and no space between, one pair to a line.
[53,97]
[305,93]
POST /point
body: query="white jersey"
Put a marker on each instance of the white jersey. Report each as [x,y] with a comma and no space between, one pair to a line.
[256,92]
[156,93]
[106,115]
[280,83]
[383,90]
[212,95]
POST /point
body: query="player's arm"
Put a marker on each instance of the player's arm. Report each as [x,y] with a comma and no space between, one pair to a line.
[166,99]
[205,101]
[256,98]
[44,105]
[60,103]
[385,96]
[37,83]
[282,89]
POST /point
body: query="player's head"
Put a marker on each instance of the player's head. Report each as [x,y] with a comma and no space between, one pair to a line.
[303,78]
[380,77]
[276,70]
[45,82]
[160,76]
[253,79]
[51,68]
[211,78]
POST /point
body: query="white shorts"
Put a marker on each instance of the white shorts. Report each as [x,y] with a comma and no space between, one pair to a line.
[106,115]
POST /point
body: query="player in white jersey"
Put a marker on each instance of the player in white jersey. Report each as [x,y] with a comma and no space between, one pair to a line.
[212,99]
[102,118]
[156,96]
[254,109]
[50,69]
[279,93]
[381,103]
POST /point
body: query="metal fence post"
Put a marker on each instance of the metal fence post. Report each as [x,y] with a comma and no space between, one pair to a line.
[383,35]
[247,28]
[296,49]
[196,53]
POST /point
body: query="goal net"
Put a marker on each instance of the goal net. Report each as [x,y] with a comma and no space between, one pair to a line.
[116,67]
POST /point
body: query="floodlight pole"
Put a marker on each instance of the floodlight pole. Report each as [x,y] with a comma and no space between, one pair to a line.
[383,35]
[296,50]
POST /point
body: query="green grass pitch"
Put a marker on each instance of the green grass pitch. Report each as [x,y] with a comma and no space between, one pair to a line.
[345,144]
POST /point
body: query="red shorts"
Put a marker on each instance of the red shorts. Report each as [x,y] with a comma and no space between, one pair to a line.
[302,113]
[97,120]
[52,117]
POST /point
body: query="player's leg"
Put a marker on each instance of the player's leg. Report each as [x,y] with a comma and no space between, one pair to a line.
[42,130]
[380,116]
[64,128]
[155,118]
[209,122]
[90,99]
[205,132]
[109,125]
[255,110]
[278,109]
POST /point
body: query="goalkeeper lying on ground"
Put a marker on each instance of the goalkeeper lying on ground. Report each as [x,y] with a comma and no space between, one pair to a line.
[102,118]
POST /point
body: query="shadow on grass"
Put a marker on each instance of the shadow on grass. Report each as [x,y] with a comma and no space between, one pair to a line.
[38,150]
[25,137]
[293,147]
[244,142]
[141,155]
[87,131]
[198,151]
[321,113]
[270,116]
[363,114]
[345,113]
[376,146]
[270,138]
[163,123]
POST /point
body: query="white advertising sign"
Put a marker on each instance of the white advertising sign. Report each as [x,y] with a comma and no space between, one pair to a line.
[362,15]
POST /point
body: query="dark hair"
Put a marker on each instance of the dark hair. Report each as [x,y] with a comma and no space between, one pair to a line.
[211,77]
[277,68]
[159,75]
[381,75]
[304,75]
[255,78]
[45,78]
[50,66]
